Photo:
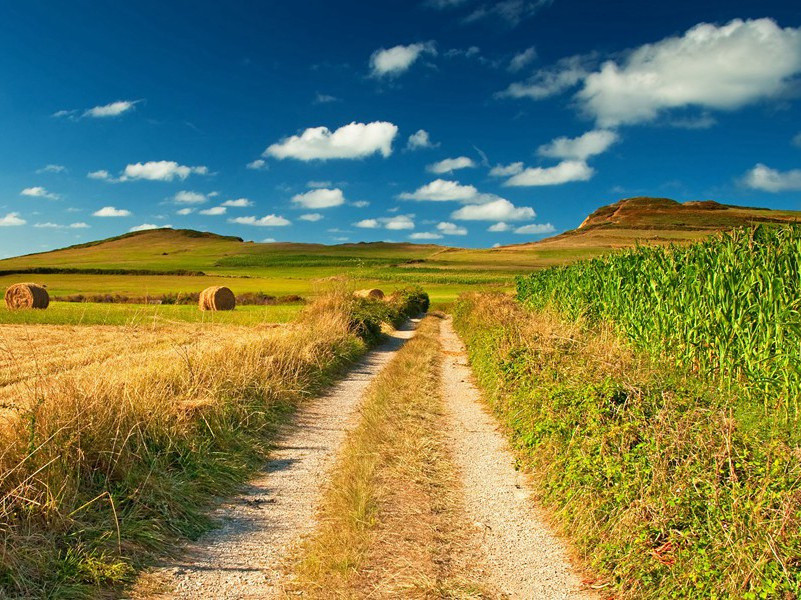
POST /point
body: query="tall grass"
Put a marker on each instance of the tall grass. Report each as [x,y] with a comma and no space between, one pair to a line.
[727,307]
[103,469]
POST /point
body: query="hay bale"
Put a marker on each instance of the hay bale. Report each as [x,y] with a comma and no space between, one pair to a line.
[217,297]
[372,294]
[27,295]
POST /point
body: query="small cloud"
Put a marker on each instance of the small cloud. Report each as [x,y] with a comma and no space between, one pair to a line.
[148,227]
[79,225]
[535,229]
[52,169]
[320,198]
[312,217]
[580,148]
[113,109]
[499,227]
[565,74]
[110,211]
[704,121]
[267,221]
[12,220]
[318,184]
[497,210]
[449,165]
[268,241]
[391,62]
[60,114]
[442,190]
[522,59]
[214,211]
[395,223]
[565,172]
[102,175]
[360,203]
[512,12]
[185,211]
[420,140]
[368,224]
[797,140]
[258,165]
[451,229]
[324,98]
[425,235]
[506,170]
[355,140]
[50,225]
[238,203]
[764,178]
[39,192]
[187,197]
[160,170]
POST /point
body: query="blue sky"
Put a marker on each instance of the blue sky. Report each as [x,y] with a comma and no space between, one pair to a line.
[461,122]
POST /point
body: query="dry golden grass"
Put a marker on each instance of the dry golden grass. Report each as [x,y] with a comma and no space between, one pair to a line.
[391,522]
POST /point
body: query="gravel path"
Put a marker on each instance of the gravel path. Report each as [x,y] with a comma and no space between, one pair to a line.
[243,558]
[524,559]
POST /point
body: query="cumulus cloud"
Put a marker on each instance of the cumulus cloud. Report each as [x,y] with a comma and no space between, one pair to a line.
[522,59]
[535,229]
[451,228]
[266,221]
[766,179]
[160,170]
[185,211]
[420,140]
[320,198]
[356,140]
[368,224]
[580,148]
[186,197]
[442,190]
[565,74]
[396,223]
[238,203]
[114,109]
[719,67]
[214,211]
[312,217]
[52,169]
[391,62]
[499,227]
[12,220]
[506,170]
[257,165]
[360,203]
[50,225]
[449,165]
[497,210]
[39,192]
[565,172]
[110,211]
[102,174]
[148,227]
[425,235]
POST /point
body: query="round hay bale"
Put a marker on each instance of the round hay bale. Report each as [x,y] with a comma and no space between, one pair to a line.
[372,294]
[27,295]
[217,297]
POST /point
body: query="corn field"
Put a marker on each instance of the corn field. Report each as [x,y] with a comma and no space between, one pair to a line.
[727,307]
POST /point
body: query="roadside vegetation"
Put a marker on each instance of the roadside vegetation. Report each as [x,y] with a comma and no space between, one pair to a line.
[653,395]
[390,520]
[106,465]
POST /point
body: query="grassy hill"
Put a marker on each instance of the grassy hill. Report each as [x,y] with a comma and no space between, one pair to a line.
[149,262]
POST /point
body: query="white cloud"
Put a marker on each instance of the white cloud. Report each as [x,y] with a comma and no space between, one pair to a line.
[394,61]
[12,220]
[722,67]
[764,178]
[38,192]
[442,4]
[110,211]
[510,11]
[102,174]
[185,211]
[50,225]
[267,221]
[442,190]
[566,171]
[797,140]
[320,198]
[356,140]
[566,73]
[268,241]
[425,235]
[497,210]
[704,121]
[451,229]
[449,165]
[318,184]
[258,165]
[113,109]
[499,227]
[580,148]
[522,59]
[311,217]
[187,197]
[506,170]
[160,170]
[420,140]
[324,98]
[52,169]
[214,211]
[238,203]
[360,203]
[368,224]
[535,229]
[148,227]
